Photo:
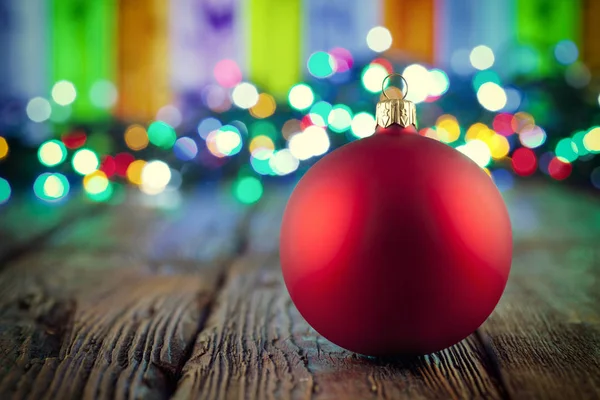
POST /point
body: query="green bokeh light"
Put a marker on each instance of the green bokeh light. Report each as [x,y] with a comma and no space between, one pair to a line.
[5,191]
[321,64]
[483,77]
[567,150]
[51,187]
[340,118]
[578,140]
[263,128]
[248,189]
[162,135]
[101,196]
[319,113]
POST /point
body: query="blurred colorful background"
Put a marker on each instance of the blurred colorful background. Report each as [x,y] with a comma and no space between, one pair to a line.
[159,94]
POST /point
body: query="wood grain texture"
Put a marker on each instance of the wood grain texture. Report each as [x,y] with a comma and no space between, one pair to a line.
[255,345]
[111,308]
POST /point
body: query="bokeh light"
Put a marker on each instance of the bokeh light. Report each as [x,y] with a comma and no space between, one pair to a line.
[134,171]
[447,128]
[245,95]
[503,179]
[503,124]
[283,162]
[319,113]
[477,151]
[482,77]
[524,161]
[313,142]
[264,107]
[52,152]
[482,57]
[513,99]
[321,64]
[51,186]
[522,121]
[227,73]
[491,96]
[261,146]
[136,137]
[103,94]
[155,177]
[559,169]
[162,135]
[216,98]
[170,115]
[185,149]
[363,125]
[290,128]
[301,96]
[5,191]
[64,93]
[439,82]
[499,146]
[38,109]
[373,76]
[340,118]
[343,59]
[566,52]
[566,150]
[578,75]
[379,39]
[228,140]
[122,163]
[591,141]
[532,136]
[418,79]
[85,162]
[3,148]
[248,189]
[207,126]
[97,186]
[74,139]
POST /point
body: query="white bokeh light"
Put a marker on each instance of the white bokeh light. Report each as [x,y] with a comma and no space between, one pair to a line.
[228,141]
[245,95]
[491,96]
[379,39]
[482,57]
[38,109]
[283,162]
[363,125]
[419,82]
[156,175]
[439,82]
[64,93]
[301,96]
[477,151]
[85,162]
[373,77]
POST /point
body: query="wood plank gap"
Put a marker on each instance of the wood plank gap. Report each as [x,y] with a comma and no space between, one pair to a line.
[494,369]
[240,247]
[39,241]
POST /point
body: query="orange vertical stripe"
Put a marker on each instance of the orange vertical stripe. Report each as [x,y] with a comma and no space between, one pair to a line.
[591,35]
[143,78]
[411,23]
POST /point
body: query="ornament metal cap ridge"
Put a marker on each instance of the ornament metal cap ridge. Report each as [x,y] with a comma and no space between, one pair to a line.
[395,111]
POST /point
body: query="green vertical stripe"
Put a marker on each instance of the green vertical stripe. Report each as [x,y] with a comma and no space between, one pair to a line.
[275,44]
[83,48]
[543,23]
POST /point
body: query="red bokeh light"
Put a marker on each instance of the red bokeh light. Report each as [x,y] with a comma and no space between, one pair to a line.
[122,161]
[524,161]
[559,169]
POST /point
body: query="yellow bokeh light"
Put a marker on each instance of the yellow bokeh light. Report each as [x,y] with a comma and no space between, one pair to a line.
[3,148]
[522,121]
[447,128]
[474,130]
[591,140]
[134,172]
[261,142]
[136,137]
[264,107]
[95,183]
[498,144]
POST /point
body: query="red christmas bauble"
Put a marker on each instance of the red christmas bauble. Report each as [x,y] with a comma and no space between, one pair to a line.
[395,244]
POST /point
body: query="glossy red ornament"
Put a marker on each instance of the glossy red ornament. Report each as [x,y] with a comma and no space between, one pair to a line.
[395,244]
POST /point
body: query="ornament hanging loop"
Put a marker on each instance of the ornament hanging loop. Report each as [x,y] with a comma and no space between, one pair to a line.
[404,92]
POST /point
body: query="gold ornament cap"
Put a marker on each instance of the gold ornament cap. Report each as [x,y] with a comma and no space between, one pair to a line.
[398,111]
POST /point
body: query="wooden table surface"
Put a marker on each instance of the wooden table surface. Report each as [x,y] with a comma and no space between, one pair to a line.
[134,301]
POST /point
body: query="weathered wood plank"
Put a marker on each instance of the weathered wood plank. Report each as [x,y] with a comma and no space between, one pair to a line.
[255,345]
[27,221]
[545,334]
[111,307]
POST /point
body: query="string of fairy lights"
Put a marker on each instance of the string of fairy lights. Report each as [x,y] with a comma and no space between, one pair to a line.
[275,138]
